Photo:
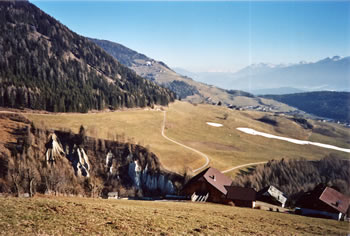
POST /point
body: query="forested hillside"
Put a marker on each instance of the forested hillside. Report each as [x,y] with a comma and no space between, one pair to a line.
[333,105]
[44,65]
[124,55]
[293,177]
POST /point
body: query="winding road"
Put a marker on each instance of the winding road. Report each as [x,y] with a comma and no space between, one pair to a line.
[245,165]
[252,132]
[184,146]
[202,154]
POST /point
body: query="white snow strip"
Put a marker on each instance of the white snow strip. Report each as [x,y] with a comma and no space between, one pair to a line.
[296,141]
[182,145]
[214,124]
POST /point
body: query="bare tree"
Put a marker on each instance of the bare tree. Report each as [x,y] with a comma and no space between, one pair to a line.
[226,116]
[94,186]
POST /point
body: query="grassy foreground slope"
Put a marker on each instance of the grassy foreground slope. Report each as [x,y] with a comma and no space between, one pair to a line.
[73,216]
[186,123]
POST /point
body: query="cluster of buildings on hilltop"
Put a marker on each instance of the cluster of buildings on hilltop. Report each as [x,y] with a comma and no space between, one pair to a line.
[213,186]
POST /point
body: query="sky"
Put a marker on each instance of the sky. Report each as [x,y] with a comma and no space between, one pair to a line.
[203,36]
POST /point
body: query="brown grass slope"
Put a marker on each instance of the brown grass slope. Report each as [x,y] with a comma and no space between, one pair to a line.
[81,216]
[186,123]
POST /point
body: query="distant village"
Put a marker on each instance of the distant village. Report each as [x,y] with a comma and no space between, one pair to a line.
[296,113]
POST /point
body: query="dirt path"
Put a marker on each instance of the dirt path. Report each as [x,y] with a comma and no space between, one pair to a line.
[245,165]
[204,155]
[184,146]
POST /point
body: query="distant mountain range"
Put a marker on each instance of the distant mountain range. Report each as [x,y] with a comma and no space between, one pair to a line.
[276,91]
[183,85]
[326,74]
[46,66]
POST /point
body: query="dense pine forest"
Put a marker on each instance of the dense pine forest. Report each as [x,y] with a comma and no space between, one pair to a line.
[44,65]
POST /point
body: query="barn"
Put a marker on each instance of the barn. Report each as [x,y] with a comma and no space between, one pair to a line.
[208,185]
[272,195]
[240,196]
[324,202]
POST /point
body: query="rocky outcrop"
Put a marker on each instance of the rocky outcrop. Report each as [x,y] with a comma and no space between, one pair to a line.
[54,149]
[81,163]
[135,174]
[77,155]
[109,158]
[63,162]
[144,179]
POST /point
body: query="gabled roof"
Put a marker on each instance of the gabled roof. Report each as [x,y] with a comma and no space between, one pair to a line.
[217,179]
[240,193]
[214,177]
[335,199]
[274,193]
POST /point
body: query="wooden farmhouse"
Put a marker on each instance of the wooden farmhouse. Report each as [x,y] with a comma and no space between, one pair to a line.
[240,196]
[324,202]
[208,185]
[213,186]
[272,195]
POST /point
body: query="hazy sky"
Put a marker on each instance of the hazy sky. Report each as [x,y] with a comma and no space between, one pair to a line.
[214,36]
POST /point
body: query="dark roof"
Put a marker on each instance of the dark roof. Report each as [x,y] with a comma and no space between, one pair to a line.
[214,177]
[240,193]
[335,199]
[324,198]
[217,179]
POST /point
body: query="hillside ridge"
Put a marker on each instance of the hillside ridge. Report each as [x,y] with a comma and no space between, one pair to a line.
[185,87]
[325,104]
[44,65]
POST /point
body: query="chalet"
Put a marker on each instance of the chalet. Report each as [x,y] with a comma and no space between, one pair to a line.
[272,195]
[324,202]
[240,196]
[208,185]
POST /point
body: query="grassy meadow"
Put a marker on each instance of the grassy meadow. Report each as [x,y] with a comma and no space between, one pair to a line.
[186,123]
[87,216]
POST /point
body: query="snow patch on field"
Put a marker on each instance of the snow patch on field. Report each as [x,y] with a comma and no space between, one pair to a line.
[296,141]
[214,124]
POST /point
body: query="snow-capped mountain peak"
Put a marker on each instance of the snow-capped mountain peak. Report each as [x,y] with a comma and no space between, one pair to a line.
[336,58]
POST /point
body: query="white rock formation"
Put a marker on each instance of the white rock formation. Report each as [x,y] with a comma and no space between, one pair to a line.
[80,160]
[55,151]
[83,164]
[135,173]
[142,178]
[109,158]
